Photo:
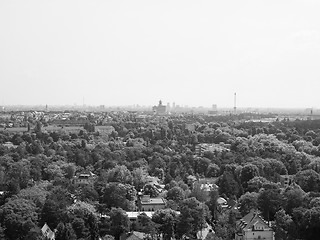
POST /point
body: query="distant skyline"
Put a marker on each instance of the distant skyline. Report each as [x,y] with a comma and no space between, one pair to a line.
[195,53]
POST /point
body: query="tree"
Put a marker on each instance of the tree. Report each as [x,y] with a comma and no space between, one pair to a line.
[89,127]
[284,226]
[19,172]
[199,193]
[293,198]
[37,194]
[269,202]
[145,224]
[55,206]
[307,222]
[149,189]
[213,170]
[193,216]
[248,172]
[228,185]
[256,183]
[247,202]
[87,193]
[120,174]
[84,220]
[139,176]
[176,194]
[38,127]
[116,194]
[309,180]
[202,165]
[212,203]
[225,227]
[119,222]
[65,231]
[19,216]
[166,221]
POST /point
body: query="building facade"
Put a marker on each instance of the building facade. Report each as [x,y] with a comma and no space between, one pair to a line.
[145,203]
[253,227]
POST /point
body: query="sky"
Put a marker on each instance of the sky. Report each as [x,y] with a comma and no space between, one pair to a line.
[195,53]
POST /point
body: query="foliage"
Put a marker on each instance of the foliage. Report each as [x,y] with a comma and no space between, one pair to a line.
[166,222]
[256,155]
[119,222]
[193,216]
[116,194]
[19,217]
[247,202]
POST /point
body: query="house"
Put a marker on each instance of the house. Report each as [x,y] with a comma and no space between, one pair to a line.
[206,233]
[154,182]
[47,232]
[286,180]
[85,177]
[252,226]
[133,216]
[211,147]
[146,203]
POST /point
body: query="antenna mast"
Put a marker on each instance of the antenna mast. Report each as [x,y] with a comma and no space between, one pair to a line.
[235,103]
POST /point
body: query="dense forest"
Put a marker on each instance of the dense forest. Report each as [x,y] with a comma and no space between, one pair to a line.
[38,168]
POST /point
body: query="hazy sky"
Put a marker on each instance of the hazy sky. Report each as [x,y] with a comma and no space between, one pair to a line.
[137,52]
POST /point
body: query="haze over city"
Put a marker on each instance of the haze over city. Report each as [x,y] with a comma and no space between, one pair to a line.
[137,52]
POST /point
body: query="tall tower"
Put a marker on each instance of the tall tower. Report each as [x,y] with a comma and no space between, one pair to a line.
[235,103]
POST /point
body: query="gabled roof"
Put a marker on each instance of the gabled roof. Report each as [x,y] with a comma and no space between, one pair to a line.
[46,231]
[252,219]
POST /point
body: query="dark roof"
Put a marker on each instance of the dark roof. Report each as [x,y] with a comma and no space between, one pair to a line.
[251,219]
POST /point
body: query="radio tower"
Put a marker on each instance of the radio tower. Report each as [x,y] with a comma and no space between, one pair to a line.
[235,103]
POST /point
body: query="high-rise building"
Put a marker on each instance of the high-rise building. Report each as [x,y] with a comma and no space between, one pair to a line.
[160,109]
[214,109]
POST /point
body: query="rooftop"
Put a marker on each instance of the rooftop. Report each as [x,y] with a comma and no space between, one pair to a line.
[252,219]
[153,201]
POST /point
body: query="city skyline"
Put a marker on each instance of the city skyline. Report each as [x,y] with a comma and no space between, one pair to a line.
[119,53]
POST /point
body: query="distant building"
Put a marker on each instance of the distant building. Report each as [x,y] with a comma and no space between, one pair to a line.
[85,177]
[206,147]
[160,109]
[145,203]
[253,226]
[133,216]
[134,235]
[213,110]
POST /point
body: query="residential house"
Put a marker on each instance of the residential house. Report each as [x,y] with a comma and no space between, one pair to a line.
[47,232]
[85,177]
[286,180]
[146,203]
[211,147]
[252,226]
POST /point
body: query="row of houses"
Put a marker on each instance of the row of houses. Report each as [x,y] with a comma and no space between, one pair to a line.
[250,227]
